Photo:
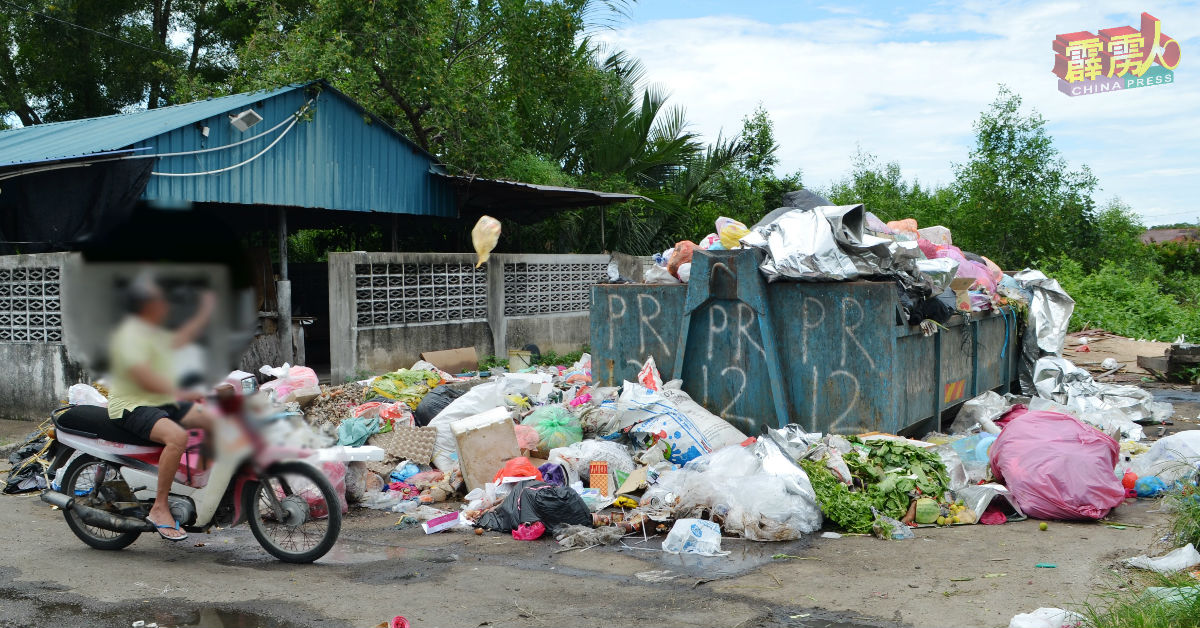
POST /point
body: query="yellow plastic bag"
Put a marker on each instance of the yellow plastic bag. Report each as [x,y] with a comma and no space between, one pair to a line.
[484,237]
[731,232]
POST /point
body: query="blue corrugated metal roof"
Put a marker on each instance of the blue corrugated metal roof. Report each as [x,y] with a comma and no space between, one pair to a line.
[337,156]
[78,138]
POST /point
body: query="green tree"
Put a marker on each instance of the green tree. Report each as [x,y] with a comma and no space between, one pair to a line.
[885,193]
[1019,200]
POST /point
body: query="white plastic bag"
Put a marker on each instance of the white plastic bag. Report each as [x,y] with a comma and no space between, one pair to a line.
[84,395]
[671,414]
[478,400]
[1045,618]
[1171,458]
[694,536]
[1176,560]
[579,455]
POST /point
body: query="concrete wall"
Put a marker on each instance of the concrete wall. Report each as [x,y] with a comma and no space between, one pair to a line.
[385,309]
[35,292]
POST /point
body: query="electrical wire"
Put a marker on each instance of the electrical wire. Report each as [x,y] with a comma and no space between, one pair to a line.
[299,112]
[90,30]
[260,153]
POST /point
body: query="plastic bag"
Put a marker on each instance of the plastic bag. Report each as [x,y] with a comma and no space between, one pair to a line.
[659,275]
[391,414]
[433,403]
[484,237]
[982,411]
[694,536]
[579,455]
[527,437]
[478,400]
[555,427]
[762,504]
[648,376]
[673,416]
[1172,458]
[890,529]
[1176,560]
[681,255]
[517,468]
[529,531]
[731,231]
[82,394]
[1046,618]
[289,379]
[354,431]
[1056,466]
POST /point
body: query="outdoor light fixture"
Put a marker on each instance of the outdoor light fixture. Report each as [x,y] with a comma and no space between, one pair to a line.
[245,120]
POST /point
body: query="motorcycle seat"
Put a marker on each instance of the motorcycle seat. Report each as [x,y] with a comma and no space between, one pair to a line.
[93,422]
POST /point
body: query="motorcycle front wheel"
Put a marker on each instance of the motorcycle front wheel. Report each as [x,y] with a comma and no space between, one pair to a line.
[294,512]
[84,480]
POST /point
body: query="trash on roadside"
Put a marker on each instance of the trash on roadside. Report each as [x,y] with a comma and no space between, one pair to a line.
[1057,467]
[555,426]
[572,536]
[1046,618]
[484,442]
[1171,562]
[694,536]
[1172,458]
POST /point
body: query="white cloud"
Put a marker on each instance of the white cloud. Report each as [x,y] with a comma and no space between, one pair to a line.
[858,80]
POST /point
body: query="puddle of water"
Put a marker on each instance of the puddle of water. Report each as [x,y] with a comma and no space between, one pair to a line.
[1172,395]
[743,556]
[200,618]
[355,553]
[817,618]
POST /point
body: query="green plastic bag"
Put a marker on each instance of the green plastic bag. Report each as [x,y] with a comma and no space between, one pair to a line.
[404,385]
[555,427]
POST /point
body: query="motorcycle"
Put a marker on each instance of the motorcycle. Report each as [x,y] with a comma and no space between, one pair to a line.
[111,475]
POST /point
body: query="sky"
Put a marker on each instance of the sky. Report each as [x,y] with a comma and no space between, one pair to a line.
[905,81]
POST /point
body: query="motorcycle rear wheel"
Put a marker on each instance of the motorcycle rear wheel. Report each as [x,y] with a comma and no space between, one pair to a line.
[79,482]
[313,510]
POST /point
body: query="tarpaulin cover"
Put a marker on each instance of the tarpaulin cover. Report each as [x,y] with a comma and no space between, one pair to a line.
[1057,467]
[1050,309]
[56,209]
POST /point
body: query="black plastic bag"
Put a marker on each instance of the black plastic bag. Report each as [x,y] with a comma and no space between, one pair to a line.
[513,511]
[433,404]
[560,505]
[532,501]
[26,474]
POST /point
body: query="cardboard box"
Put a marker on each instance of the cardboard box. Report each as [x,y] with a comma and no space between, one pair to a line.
[453,361]
[485,442]
[439,523]
[962,296]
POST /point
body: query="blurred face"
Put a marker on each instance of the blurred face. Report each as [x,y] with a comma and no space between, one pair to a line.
[154,310]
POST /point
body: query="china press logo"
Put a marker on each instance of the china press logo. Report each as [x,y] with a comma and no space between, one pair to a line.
[1116,59]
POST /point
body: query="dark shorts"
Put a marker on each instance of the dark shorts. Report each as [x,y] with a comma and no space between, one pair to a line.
[141,419]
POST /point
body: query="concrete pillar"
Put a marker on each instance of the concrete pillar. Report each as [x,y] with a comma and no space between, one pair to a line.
[496,320]
[283,309]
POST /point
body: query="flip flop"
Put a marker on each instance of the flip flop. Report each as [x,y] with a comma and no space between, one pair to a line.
[160,527]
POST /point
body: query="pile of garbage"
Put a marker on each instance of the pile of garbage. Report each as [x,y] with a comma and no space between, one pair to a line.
[811,239]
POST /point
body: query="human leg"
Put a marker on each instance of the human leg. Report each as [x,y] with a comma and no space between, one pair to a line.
[174,439]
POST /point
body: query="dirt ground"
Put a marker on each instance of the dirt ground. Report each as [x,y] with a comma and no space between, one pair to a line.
[962,576]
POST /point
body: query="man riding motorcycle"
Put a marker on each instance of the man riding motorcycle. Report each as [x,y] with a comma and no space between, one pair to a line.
[144,399]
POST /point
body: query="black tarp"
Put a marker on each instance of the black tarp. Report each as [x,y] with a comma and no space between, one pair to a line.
[63,208]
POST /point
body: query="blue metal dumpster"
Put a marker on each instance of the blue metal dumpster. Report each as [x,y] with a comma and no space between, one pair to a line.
[832,357]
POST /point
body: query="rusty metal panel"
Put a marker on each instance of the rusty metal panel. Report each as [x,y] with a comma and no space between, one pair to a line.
[832,357]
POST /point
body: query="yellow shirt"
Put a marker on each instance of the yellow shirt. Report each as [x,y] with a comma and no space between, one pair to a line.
[133,343]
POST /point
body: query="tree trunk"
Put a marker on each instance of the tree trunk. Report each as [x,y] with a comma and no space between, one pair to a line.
[160,24]
[13,94]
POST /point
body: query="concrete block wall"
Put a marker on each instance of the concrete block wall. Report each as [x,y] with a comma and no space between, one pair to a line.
[385,309]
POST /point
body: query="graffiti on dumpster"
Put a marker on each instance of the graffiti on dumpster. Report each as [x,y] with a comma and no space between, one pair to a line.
[726,355]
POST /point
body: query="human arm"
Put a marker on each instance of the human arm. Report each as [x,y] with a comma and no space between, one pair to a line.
[192,328]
